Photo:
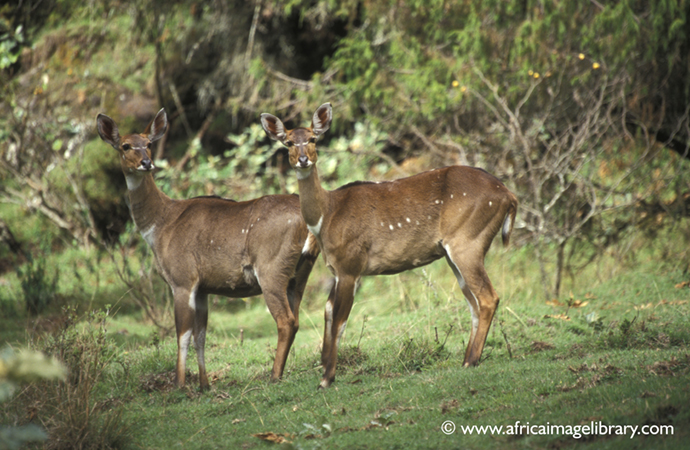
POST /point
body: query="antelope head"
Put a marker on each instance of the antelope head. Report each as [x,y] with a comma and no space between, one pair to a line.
[134,149]
[301,142]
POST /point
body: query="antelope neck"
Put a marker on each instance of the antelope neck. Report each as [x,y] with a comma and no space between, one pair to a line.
[313,198]
[147,203]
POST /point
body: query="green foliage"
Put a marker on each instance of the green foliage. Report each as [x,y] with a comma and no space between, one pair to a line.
[39,287]
[19,368]
[74,413]
[10,45]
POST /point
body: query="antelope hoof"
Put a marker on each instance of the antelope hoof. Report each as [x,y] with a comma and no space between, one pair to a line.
[324,384]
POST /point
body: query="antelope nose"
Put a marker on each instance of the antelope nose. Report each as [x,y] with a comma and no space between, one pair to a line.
[146,164]
[303,161]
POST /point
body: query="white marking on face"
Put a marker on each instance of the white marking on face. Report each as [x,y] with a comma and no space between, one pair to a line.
[316,229]
[149,235]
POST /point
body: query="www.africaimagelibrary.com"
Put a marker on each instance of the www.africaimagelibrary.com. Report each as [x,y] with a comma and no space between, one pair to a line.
[576,431]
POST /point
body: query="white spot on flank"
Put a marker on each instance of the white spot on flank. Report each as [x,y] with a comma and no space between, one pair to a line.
[391,227]
[428,217]
[417,222]
[464,194]
[399,225]
[381,223]
[437,202]
[490,203]
[451,195]
[408,219]
[149,235]
[316,229]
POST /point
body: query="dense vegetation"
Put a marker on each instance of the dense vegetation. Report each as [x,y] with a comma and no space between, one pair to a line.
[580,107]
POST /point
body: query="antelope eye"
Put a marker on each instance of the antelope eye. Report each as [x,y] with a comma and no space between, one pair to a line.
[312,139]
[289,143]
[148,145]
[126,146]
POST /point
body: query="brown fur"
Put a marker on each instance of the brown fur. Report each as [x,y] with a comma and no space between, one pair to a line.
[210,245]
[389,227]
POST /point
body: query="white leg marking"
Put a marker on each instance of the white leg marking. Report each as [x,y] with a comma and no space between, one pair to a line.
[316,229]
[183,343]
[460,278]
[199,346]
[340,332]
[192,299]
[307,244]
[329,321]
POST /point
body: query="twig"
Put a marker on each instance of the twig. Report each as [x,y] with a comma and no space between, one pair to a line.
[505,338]
[516,316]
[362,332]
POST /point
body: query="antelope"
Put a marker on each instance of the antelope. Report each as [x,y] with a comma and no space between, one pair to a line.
[212,245]
[382,228]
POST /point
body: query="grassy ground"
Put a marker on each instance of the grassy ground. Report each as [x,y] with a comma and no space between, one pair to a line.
[613,350]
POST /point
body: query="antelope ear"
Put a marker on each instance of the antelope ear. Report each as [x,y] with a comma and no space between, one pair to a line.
[273,127]
[107,130]
[321,121]
[156,129]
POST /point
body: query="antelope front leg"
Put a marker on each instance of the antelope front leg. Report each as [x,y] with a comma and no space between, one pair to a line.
[200,323]
[337,311]
[286,322]
[184,326]
[483,301]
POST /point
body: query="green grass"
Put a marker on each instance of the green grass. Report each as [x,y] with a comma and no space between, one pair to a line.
[621,358]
